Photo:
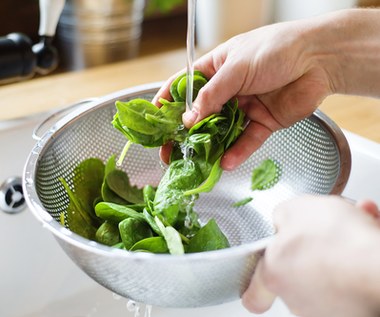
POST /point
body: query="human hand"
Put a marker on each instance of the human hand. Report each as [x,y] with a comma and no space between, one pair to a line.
[323,260]
[274,78]
[280,73]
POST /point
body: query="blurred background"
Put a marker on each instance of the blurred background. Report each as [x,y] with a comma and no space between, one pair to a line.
[92,33]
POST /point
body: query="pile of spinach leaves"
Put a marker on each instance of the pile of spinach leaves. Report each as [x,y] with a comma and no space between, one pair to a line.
[105,207]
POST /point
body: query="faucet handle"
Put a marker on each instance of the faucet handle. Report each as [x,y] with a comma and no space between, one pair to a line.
[46,53]
[50,11]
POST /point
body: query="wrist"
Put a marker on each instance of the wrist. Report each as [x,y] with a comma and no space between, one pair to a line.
[358,276]
[369,276]
[346,45]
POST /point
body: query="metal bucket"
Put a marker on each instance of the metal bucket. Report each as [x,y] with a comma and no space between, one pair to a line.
[92,33]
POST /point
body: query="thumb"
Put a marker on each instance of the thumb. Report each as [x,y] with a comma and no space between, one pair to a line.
[369,207]
[257,298]
[224,85]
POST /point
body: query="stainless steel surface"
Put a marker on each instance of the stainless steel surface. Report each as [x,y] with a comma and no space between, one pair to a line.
[98,32]
[314,158]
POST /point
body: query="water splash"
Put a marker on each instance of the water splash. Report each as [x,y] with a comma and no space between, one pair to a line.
[148,311]
[189,203]
[133,307]
[187,151]
[190,42]
[136,308]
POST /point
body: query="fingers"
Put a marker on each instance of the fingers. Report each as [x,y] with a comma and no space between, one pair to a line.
[257,298]
[165,152]
[253,136]
[369,207]
[221,87]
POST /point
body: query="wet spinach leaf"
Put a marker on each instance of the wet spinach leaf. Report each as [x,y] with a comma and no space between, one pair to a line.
[144,123]
[242,202]
[265,176]
[172,238]
[107,194]
[87,181]
[118,182]
[179,177]
[149,192]
[151,244]
[108,234]
[116,213]
[133,230]
[208,238]
[178,86]
[80,215]
[76,217]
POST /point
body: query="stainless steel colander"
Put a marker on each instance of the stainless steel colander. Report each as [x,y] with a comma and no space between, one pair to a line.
[314,157]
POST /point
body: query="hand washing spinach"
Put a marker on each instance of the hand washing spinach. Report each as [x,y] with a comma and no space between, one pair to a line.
[158,219]
[195,160]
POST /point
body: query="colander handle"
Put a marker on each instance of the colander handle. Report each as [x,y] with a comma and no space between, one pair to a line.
[54,117]
[262,244]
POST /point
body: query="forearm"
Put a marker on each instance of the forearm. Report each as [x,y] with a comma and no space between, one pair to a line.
[346,45]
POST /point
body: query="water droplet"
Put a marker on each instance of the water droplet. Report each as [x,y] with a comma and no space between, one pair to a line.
[148,311]
[66,231]
[116,296]
[181,127]
[29,181]
[132,305]
[163,166]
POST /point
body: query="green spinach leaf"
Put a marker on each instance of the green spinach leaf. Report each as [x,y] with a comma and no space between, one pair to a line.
[172,238]
[208,238]
[133,230]
[116,213]
[242,202]
[118,182]
[179,177]
[151,244]
[87,182]
[108,234]
[265,176]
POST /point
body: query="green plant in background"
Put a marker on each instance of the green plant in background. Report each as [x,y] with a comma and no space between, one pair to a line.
[163,6]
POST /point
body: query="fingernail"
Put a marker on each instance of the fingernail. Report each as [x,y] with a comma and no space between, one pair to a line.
[189,117]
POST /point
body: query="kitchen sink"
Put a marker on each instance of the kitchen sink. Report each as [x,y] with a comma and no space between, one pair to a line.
[38,279]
